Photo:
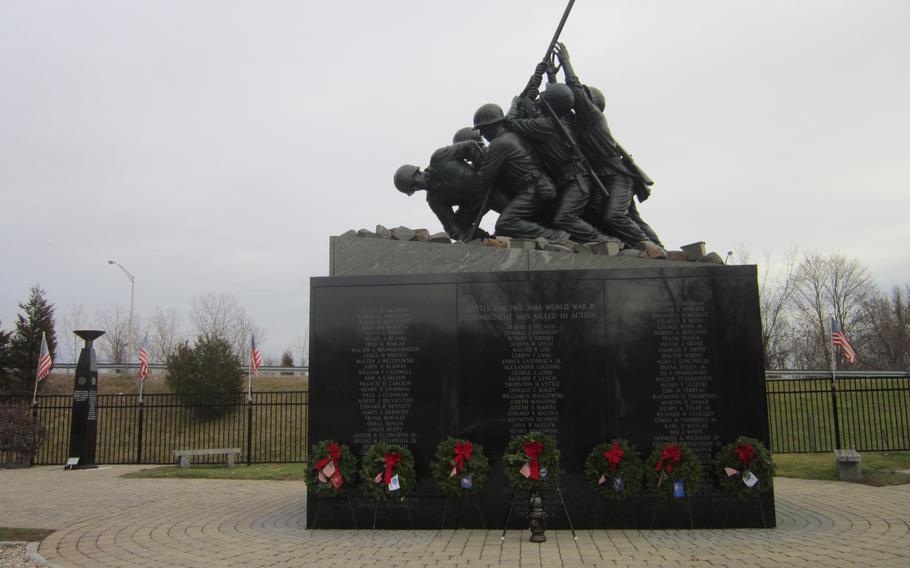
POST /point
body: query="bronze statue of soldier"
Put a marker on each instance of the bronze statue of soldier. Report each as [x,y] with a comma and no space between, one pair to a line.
[559,159]
[513,166]
[618,214]
[450,181]
[468,133]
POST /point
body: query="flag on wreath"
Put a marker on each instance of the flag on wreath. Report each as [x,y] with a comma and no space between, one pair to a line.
[525,470]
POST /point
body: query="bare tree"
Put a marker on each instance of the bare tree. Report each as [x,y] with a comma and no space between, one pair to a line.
[886,345]
[164,334]
[116,345]
[776,286]
[826,287]
[302,347]
[75,319]
[222,317]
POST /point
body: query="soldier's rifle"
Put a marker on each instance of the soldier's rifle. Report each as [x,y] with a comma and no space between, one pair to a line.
[627,158]
[573,146]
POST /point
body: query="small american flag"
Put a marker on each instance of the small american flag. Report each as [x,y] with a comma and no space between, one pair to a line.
[144,358]
[525,470]
[838,338]
[255,356]
[44,360]
[328,470]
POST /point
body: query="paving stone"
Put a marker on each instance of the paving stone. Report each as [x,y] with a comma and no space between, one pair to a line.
[102,519]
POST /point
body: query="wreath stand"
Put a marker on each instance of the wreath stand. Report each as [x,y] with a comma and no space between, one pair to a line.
[335,505]
[461,503]
[742,507]
[527,494]
[389,506]
[662,503]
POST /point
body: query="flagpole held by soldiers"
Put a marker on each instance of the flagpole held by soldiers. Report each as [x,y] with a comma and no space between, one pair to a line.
[546,57]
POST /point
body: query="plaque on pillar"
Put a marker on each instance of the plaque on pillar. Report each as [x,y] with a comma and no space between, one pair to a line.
[83,428]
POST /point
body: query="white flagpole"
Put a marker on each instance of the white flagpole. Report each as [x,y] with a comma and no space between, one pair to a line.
[834,413]
[833,355]
[38,371]
[249,373]
[141,380]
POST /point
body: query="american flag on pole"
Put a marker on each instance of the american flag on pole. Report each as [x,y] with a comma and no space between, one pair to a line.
[44,360]
[255,356]
[144,358]
[838,338]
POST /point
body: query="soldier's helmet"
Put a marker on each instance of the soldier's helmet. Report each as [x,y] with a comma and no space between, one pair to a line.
[487,115]
[404,176]
[560,98]
[465,134]
[597,97]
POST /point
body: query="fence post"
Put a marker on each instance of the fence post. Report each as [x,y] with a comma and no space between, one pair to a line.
[31,458]
[139,436]
[837,443]
[249,430]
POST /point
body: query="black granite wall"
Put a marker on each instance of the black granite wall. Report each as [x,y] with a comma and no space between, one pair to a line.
[669,354]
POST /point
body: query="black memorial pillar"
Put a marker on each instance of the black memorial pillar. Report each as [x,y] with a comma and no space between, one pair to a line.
[85,399]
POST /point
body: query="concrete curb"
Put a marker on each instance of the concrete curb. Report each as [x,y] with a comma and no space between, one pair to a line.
[31,549]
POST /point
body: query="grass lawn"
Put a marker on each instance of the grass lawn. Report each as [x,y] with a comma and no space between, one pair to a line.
[124,383]
[879,468]
[265,471]
[26,535]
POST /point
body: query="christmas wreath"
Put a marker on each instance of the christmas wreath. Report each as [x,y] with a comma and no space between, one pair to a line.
[387,471]
[531,461]
[460,468]
[332,470]
[673,470]
[614,469]
[744,467]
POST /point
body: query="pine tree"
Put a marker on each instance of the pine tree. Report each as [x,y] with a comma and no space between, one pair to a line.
[36,316]
[207,377]
[6,359]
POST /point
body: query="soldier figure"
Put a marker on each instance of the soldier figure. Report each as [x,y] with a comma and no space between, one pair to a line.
[618,214]
[451,181]
[565,167]
[467,133]
[514,167]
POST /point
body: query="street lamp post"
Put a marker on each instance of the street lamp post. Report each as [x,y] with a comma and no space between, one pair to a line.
[132,296]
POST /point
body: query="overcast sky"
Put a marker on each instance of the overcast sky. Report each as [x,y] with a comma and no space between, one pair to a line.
[213,147]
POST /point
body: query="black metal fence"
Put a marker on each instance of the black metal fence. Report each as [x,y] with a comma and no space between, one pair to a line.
[806,413]
[271,428]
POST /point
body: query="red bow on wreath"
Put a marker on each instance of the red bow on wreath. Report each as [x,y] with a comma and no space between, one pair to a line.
[744,454]
[614,456]
[532,450]
[670,456]
[334,456]
[391,460]
[463,453]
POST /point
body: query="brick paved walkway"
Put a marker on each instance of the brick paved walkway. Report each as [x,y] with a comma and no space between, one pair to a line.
[103,520]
